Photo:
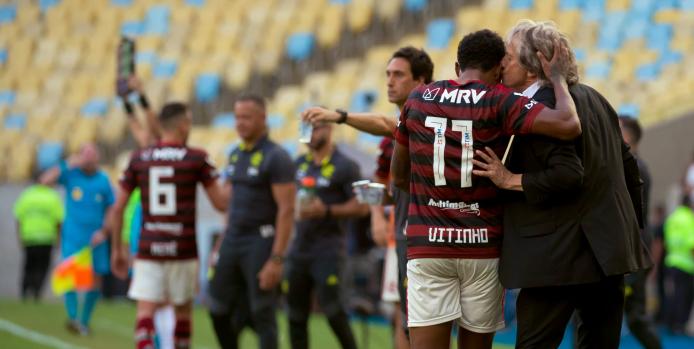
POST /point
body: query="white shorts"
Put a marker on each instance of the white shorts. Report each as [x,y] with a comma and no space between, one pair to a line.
[389,290]
[164,281]
[440,290]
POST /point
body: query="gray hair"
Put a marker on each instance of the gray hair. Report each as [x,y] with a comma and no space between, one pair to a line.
[540,36]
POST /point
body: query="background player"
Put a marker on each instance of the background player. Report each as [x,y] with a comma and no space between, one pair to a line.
[166,265]
[89,196]
[454,224]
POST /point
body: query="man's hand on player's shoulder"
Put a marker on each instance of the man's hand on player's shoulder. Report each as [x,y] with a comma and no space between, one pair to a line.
[492,168]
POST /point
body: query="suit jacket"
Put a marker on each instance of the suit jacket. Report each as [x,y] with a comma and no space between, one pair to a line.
[577,218]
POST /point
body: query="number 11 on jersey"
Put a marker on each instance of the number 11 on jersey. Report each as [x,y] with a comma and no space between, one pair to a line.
[439,125]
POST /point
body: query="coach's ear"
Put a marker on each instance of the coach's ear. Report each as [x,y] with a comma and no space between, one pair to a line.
[457,69]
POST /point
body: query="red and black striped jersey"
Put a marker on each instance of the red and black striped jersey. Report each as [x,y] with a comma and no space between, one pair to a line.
[167,175]
[453,214]
[383,161]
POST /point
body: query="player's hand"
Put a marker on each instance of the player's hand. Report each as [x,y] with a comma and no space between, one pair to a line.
[491,168]
[135,84]
[75,161]
[269,277]
[555,67]
[315,115]
[98,237]
[313,210]
[119,263]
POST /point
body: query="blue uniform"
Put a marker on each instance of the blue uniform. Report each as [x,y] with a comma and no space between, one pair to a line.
[87,199]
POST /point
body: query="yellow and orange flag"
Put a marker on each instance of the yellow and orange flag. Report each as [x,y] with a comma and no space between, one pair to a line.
[75,273]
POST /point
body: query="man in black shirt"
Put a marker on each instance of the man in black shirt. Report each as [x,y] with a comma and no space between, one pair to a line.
[316,257]
[260,179]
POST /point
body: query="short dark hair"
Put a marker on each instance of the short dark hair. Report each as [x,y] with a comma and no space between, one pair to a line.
[632,126]
[421,65]
[483,49]
[171,112]
[252,97]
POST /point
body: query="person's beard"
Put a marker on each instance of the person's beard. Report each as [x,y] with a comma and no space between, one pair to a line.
[318,144]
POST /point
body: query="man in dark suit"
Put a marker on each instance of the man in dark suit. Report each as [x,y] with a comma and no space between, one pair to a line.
[568,240]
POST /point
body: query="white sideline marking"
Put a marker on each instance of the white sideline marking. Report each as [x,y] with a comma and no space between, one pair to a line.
[34,336]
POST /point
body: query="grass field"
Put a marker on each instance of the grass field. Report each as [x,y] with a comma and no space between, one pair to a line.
[40,326]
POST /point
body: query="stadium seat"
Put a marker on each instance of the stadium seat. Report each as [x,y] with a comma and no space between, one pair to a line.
[439,33]
[8,13]
[15,121]
[415,5]
[95,107]
[300,46]
[521,4]
[363,100]
[224,120]
[157,20]
[48,154]
[629,109]
[164,69]
[132,28]
[7,98]
[207,87]
[647,72]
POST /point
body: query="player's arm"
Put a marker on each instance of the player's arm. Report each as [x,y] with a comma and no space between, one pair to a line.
[152,127]
[373,123]
[114,226]
[561,122]
[400,167]
[271,273]
[217,193]
[53,174]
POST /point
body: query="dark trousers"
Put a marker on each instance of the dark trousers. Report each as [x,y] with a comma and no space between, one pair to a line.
[640,325]
[679,302]
[37,259]
[322,274]
[544,312]
[235,298]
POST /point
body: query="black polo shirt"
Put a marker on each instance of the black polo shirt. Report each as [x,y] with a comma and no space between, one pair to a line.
[334,178]
[252,172]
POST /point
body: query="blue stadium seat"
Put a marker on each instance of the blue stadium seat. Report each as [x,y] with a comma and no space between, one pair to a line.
[362,100]
[146,57]
[636,26]
[300,46]
[669,57]
[521,4]
[580,54]
[687,5]
[164,68]
[594,10]
[132,28]
[8,13]
[439,33]
[224,120]
[276,121]
[157,20]
[122,2]
[16,121]
[95,107]
[571,4]
[599,70]
[366,139]
[207,86]
[659,36]
[45,5]
[7,97]
[291,147]
[48,154]
[666,4]
[629,109]
[643,6]
[415,5]
[340,2]
[195,3]
[3,55]
[647,72]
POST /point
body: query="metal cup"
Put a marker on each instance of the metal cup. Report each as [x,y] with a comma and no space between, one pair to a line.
[360,188]
[374,193]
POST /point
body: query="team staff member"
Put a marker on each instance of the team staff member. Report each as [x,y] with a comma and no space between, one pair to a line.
[317,254]
[569,256]
[407,69]
[39,213]
[260,217]
[88,197]
[454,226]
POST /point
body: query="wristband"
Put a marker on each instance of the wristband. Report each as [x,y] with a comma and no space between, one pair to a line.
[343,116]
[277,258]
[144,102]
[128,108]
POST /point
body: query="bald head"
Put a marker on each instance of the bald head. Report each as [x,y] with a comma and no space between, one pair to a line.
[89,154]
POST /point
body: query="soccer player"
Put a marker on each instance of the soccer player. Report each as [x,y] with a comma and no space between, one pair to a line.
[407,69]
[260,217]
[166,265]
[89,196]
[454,223]
[317,254]
[39,213]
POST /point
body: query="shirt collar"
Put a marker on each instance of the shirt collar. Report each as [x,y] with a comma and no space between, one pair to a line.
[258,144]
[532,89]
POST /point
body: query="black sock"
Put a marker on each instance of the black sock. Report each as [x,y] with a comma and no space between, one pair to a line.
[340,325]
[227,336]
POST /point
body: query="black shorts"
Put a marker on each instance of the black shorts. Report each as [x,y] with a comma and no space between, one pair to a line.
[320,274]
[401,251]
[234,286]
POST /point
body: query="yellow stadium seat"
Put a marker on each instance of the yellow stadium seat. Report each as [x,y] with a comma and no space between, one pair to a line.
[617,5]
[359,15]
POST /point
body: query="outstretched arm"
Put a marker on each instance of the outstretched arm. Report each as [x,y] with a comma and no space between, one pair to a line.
[373,123]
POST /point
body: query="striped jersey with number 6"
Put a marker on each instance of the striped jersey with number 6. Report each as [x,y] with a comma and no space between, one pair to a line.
[167,175]
[452,213]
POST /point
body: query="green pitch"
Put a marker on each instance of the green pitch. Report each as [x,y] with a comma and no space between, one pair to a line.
[41,326]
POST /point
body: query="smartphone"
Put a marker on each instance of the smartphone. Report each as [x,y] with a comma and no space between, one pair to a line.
[125,65]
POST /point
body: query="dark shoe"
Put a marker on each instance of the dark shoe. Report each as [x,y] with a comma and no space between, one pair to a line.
[84,331]
[73,327]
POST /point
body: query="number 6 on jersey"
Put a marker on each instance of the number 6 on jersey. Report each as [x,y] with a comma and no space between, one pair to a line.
[439,125]
[157,189]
